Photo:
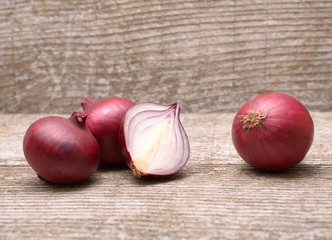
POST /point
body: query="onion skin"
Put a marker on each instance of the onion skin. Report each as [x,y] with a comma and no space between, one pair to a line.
[273,132]
[103,119]
[60,150]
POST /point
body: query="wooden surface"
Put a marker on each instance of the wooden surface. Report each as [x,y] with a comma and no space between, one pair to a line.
[208,55]
[216,196]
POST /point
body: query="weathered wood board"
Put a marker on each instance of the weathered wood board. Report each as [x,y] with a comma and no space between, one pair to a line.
[216,196]
[208,55]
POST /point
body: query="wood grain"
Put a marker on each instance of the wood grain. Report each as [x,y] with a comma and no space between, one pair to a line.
[216,196]
[210,56]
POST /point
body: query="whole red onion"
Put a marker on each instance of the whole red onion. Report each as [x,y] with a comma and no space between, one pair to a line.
[61,150]
[273,131]
[103,118]
[153,140]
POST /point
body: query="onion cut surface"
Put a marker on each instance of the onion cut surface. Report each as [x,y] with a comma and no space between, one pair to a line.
[154,140]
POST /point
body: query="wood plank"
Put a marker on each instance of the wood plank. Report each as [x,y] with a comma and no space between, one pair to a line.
[208,55]
[216,196]
[225,201]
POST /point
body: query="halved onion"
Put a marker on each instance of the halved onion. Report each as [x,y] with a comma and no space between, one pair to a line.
[153,139]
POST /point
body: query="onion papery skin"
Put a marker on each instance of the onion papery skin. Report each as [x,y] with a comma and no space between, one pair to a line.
[280,136]
[61,150]
[143,126]
[103,118]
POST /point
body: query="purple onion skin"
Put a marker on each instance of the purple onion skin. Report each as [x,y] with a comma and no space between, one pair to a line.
[123,147]
[126,154]
[283,137]
[60,150]
[103,118]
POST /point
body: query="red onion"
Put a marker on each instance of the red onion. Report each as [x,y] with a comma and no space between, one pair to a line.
[154,140]
[61,150]
[103,119]
[272,132]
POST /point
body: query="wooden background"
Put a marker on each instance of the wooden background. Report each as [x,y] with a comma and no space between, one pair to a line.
[208,55]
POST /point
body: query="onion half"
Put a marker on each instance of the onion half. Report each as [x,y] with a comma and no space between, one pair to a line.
[153,139]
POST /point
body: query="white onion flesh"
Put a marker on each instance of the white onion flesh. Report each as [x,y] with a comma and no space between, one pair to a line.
[155,139]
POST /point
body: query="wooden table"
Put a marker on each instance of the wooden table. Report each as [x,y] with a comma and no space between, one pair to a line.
[216,196]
